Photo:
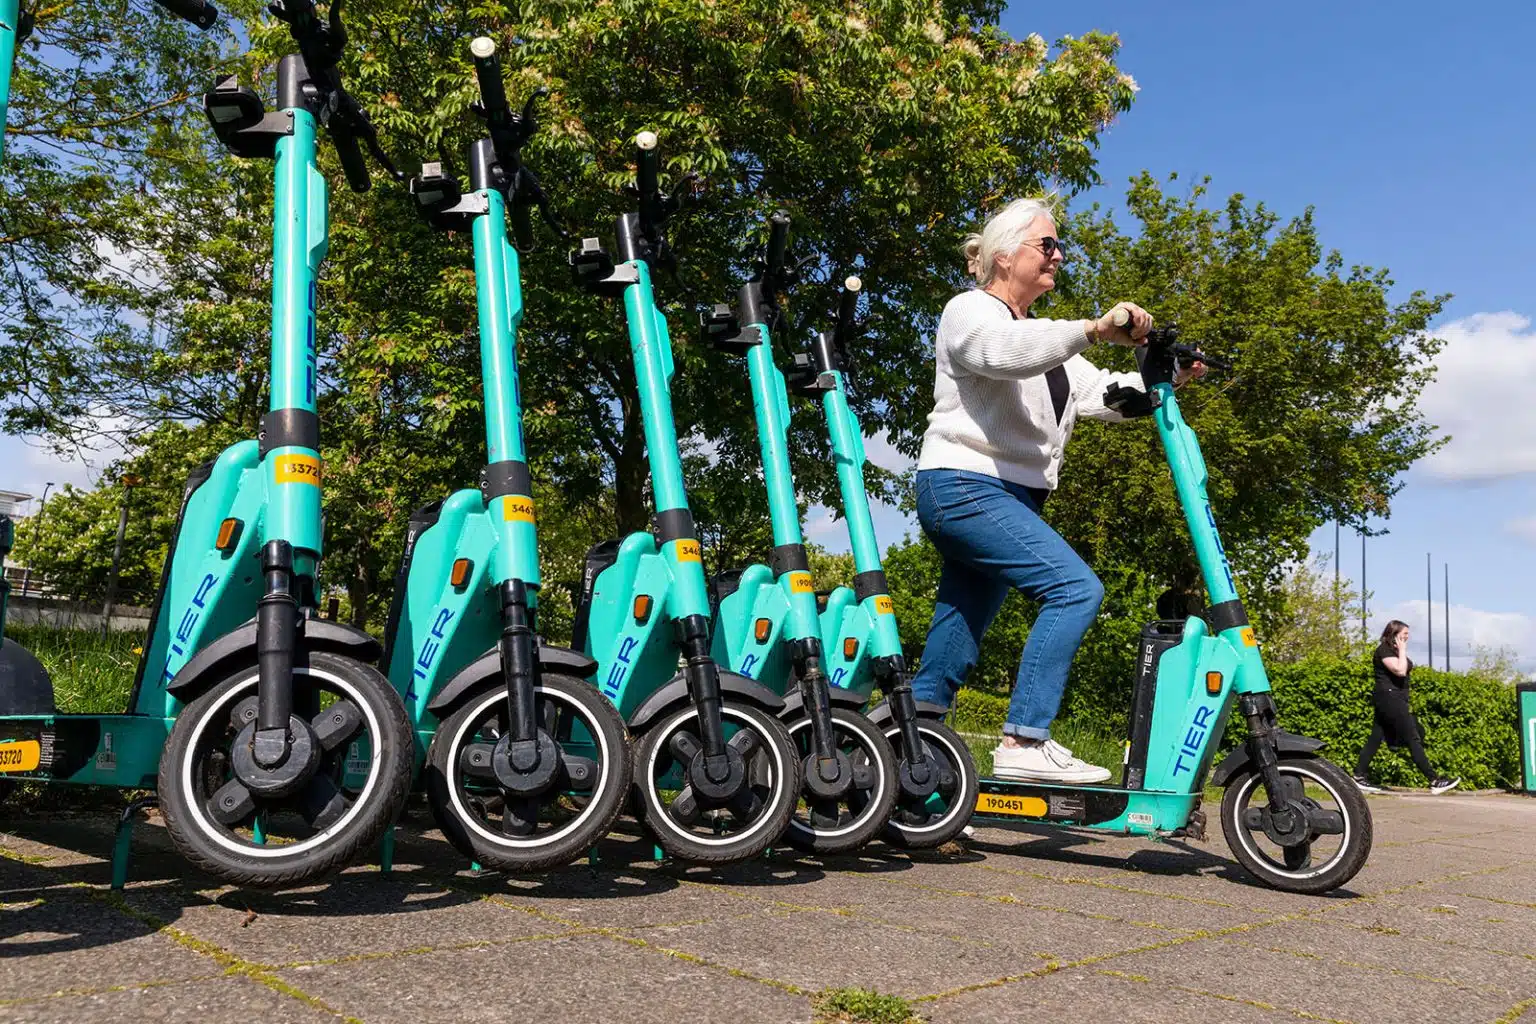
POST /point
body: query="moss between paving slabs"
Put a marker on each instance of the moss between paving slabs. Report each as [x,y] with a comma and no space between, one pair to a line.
[861,1006]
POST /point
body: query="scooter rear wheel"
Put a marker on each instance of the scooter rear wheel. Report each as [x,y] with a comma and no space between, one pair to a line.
[1330,857]
[710,832]
[928,823]
[488,824]
[847,823]
[355,793]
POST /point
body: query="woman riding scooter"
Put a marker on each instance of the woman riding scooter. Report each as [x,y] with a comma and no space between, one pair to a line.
[1007,393]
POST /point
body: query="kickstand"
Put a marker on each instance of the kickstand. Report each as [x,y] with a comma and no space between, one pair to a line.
[122,846]
[387,851]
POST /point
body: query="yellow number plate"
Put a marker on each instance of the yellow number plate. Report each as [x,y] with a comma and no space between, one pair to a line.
[800,583]
[298,469]
[23,756]
[884,606]
[518,510]
[1014,806]
[688,551]
[1249,640]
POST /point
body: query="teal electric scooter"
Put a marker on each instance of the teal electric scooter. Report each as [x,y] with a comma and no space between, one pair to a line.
[935,773]
[1295,820]
[277,750]
[527,763]
[766,624]
[716,775]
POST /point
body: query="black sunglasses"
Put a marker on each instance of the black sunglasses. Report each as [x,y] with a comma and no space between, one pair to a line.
[1049,245]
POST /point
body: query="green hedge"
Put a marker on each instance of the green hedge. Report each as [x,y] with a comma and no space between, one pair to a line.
[1470,722]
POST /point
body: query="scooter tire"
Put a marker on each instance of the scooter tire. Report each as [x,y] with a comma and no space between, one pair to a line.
[943,741]
[1303,878]
[869,820]
[597,811]
[380,796]
[776,757]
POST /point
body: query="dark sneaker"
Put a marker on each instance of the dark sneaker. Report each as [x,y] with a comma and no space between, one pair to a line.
[1443,785]
[1365,785]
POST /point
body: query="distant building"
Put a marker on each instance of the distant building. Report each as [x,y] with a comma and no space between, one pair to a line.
[14,504]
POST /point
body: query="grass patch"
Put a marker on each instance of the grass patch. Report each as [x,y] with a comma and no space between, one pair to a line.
[861,1006]
[91,674]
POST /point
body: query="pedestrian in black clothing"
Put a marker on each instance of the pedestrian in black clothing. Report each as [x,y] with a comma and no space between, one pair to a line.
[1395,724]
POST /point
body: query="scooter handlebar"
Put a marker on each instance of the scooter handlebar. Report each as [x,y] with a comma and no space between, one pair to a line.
[647,166]
[493,93]
[847,309]
[778,242]
[198,12]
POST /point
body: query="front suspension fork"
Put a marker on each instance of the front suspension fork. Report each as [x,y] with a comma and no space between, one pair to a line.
[892,677]
[1263,754]
[815,698]
[703,676]
[277,623]
[519,667]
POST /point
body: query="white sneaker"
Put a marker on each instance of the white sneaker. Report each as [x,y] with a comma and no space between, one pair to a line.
[1044,762]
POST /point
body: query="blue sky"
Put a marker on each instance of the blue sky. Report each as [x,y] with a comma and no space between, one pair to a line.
[1408,126]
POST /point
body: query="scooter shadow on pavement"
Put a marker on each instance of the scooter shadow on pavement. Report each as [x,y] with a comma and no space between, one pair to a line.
[1168,858]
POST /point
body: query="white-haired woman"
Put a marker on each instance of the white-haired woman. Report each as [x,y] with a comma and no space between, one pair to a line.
[1007,393]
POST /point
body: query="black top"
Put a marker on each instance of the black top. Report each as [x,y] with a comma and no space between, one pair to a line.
[1385,676]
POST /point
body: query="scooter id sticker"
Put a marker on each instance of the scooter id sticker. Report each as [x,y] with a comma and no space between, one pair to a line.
[21,756]
[1249,640]
[298,469]
[518,510]
[800,583]
[884,606]
[688,551]
[1014,806]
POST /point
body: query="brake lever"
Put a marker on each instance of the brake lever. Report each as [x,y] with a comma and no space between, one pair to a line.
[528,184]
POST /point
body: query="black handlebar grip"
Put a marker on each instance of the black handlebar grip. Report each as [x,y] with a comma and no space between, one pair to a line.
[493,94]
[778,241]
[198,12]
[847,308]
[352,162]
[649,164]
[522,226]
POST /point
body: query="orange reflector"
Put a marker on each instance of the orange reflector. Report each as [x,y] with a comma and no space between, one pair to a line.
[850,648]
[761,628]
[460,575]
[1213,683]
[229,530]
[642,608]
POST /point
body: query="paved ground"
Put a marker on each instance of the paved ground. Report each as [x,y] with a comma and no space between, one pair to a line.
[1047,926]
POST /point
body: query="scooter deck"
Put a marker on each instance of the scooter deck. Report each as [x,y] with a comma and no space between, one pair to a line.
[1008,802]
[91,750]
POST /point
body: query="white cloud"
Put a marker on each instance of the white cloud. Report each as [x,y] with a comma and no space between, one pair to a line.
[1522,528]
[1481,397]
[1471,629]
[880,451]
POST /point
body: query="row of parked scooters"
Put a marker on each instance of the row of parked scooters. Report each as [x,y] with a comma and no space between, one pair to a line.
[278,748]
[727,715]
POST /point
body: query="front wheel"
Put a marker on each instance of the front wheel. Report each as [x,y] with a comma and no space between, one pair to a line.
[839,824]
[363,750]
[1329,848]
[691,824]
[926,819]
[563,818]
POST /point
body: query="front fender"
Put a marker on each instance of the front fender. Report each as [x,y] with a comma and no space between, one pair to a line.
[675,692]
[925,711]
[238,646]
[1285,743]
[486,671]
[839,698]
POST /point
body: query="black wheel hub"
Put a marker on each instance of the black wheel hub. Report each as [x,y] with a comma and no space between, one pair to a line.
[526,766]
[918,781]
[717,779]
[827,778]
[289,774]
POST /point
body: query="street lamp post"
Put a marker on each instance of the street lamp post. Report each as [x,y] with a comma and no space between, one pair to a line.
[26,573]
[129,482]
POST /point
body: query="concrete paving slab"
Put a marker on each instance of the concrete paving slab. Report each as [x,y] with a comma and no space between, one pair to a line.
[588,980]
[188,1003]
[1087,994]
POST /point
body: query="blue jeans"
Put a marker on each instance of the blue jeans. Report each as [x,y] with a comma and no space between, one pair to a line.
[993,540]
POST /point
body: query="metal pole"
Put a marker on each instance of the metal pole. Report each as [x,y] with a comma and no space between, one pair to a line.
[117,554]
[1364,632]
[1447,593]
[1429,616]
[26,572]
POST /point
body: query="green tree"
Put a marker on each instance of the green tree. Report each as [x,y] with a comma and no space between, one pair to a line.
[1316,616]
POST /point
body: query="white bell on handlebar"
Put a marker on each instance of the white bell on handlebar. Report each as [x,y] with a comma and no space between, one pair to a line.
[853,284]
[483,47]
[646,140]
